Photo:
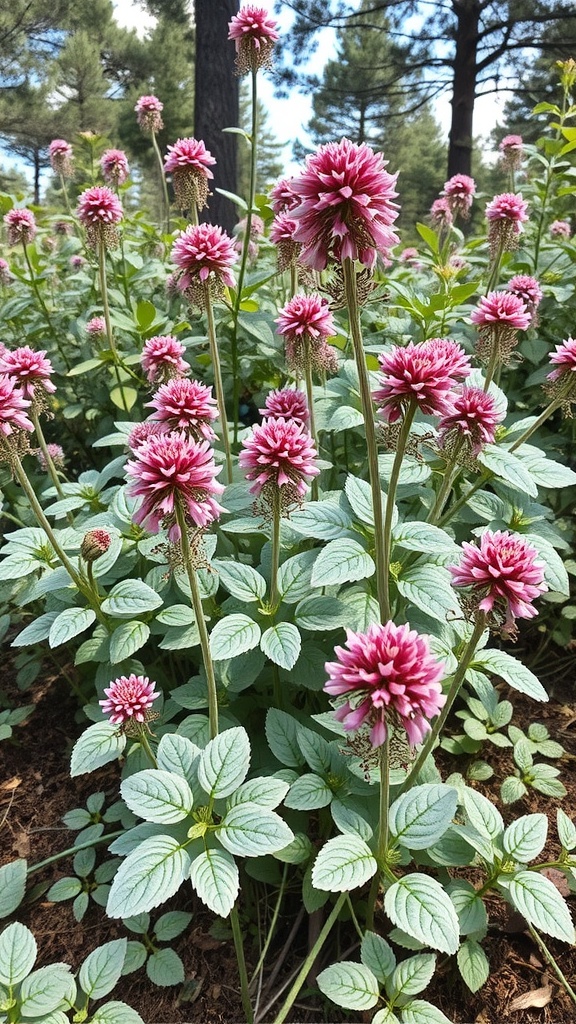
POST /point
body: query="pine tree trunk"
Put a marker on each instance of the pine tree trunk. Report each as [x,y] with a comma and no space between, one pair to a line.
[216,103]
[37,177]
[465,71]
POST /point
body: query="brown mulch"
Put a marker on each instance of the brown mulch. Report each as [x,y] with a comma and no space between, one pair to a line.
[36,791]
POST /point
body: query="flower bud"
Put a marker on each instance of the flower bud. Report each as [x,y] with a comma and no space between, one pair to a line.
[95,544]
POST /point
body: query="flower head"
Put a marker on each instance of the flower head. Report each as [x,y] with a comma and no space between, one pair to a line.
[475,417]
[100,210]
[282,236]
[290,403]
[527,289]
[129,699]
[61,156]
[31,370]
[21,226]
[162,358]
[12,407]
[172,473]
[505,215]
[282,198]
[410,255]
[188,161]
[184,404]
[279,458]
[560,229]
[504,571]
[346,206]
[388,675]
[141,432]
[203,254]
[96,327]
[441,214]
[511,149]
[562,379]
[77,262]
[456,360]
[5,275]
[56,453]
[149,114]
[115,167]
[459,192]
[498,316]
[95,543]
[305,322]
[254,34]
[415,374]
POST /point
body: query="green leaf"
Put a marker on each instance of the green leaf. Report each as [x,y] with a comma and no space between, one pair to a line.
[417,536]
[525,838]
[429,237]
[17,954]
[349,821]
[319,613]
[508,467]
[69,624]
[421,907]
[281,643]
[359,494]
[469,907]
[342,561]
[136,956]
[158,796]
[282,735]
[171,924]
[148,877]
[513,672]
[294,576]
[512,789]
[323,520]
[385,1016]
[12,886]
[428,587]
[377,955]
[102,969]
[43,990]
[555,572]
[240,580]
[298,851]
[224,763]
[473,964]
[64,889]
[165,968]
[233,635]
[350,985]
[177,754]
[130,597]
[308,793]
[237,200]
[566,830]
[420,817]
[98,744]
[482,814]
[253,831]
[176,615]
[265,791]
[540,902]
[421,1012]
[116,1012]
[215,878]
[128,638]
[84,367]
[145,313]
[344,863]
[411,976]
[123,397]
[37,631]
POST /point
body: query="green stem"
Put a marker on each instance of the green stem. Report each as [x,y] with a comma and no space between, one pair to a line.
[370,429]
[272,927]
[307,965]
[275,552]
[218,387]
[52,471]
[239,947]
[106,308]
[548,411]
[163,180]
[145,744]
[553,964]
[391,494]
[200,622]
[464,497]
[493,360]
[451,473]
[72,850]
[469,651]
[382,847]
[310,399]
[43,307]
[65,194]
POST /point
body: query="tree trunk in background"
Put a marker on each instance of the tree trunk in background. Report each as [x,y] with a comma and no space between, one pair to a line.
[464,86]
[216,103]
[37,168]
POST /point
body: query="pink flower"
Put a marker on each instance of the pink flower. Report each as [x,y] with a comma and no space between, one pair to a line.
[204,254]
[501,309]
[148,113]
[279,456]
[100,210]
[5,275]
[510,142]
[505,215]
[282,236]
[63,228]
[184,404]
[162,358]
[527,289]
[56,453]
[170,472]
[21,226]
[389,675]
[96,327]
[28,368]
[95,543]
[282,198]
[564,359]
[475,417]
[188,161]
[115,167]
[511,149]
[289,403]
[456,360]
[254,33]
[12,408]
[305,322]
[505,572]
[346,205]
[416,374]
[77,262]
[441,214]
[560,229]
[141,432]
[257,227]
[409,255]
[459,192]
[61,156]
[129,699]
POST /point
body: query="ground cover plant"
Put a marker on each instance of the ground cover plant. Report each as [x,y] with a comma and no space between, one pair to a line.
[286,501]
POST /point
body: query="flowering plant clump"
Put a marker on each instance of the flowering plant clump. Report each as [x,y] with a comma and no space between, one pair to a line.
[441,215]
[474,418]
[459,192]
[527,289]
[5,275]
[100,211]
[288,403]
[511,151]
[254,34]
[13,406]
[21,226]
[417,375]
[188,161]
[96,327]
[305,323]
[282,236]
[499,316]
[560,229]
[162,358]
[505,215]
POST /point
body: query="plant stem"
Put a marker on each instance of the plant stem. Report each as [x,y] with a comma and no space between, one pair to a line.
[145,744]
[52,471]
[65,194]
[163,180]
[200,623]
[493,360]
[275,552]
[218,380]
[272,927]
[382,847]
[451,472]
[310,399]
[391,494]
[468,654]
[43,306]
[464,497]
[72,850]
[370,429]
[107,321]
[553,964]
[239,947]
[306,966]
[548,411]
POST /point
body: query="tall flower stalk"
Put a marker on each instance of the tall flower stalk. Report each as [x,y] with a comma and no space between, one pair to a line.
[218,386]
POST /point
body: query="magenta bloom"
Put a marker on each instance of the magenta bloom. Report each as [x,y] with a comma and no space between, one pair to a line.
[305,322]
[505,215]
[279,455]
[61,156]
[346,205]
[511,149]
[254,34]
[456,360]
[409,255]
[527,289]
[475,417]
[21,226]
[459,192]
[149,114]
[129,699]
[441,214]
[388,675]
[188,161]
[115,167]
[558,229]
[184,404]
[282,198]
[162,358]
[416,374]
[100,210]
[141,432]
[12,408]
[5,275]
[96,327]
[564,359]
[171,471]
[29,369]
[203,254]
[505,572]
[77,262]
[282,236]
[501,309]
[56,453]
[289,403]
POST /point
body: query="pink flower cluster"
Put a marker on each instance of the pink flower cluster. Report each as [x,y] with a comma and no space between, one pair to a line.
[474,417]
[115,167]
[282,198]
[188,161]
[96,327]
[282,236]
[278,457]
[204,255]
[61,156]
[21,226]
[389,676]
[254,34]
[129,699]
[422,376]
[100,211]
[30,369]
[441,214]
[187,405]
[5,275]
[459,192]
[162,358]
[306,322]
[511,149]
[13,408]
[288,403]
[560,229]
[149,114]
[527,289]
[505,215]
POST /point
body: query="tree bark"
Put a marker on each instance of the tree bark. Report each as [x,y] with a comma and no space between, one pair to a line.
[216,103]
[467,14]
[37,168]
